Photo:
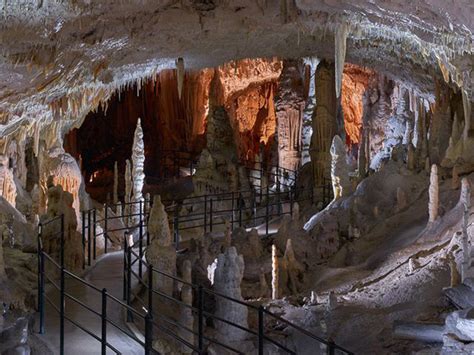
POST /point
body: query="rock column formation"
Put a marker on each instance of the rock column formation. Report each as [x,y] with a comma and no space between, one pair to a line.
[64,170]
[7,182]
[227,279]
[275,273]
[341,183]
[138,164]
[289,105]
[60,202]
[433,194]
[324,121]
[161,253]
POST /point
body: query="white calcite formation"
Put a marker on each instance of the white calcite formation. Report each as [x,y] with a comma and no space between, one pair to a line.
[7,182]
[64,170]
[275,274]
[138,166]
[227,279]
[60,203]
[433,191]
[341,183]
[161,252]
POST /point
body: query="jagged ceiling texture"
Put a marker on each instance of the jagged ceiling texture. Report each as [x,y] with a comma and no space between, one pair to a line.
[59,60]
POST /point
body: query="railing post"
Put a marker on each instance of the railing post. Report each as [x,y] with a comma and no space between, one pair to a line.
[40,280]
[210,215]
[129,281]
[89,231]
[200,318]
[232,216]
[106,216]
[267,210]
[94,231]
[148,333]
[140,239]
[260,330]
[331,350]
[62,290]
[240,209]
[150,289]
[124,278]
[205,213]
[83,229]
[291,203]
[103,317]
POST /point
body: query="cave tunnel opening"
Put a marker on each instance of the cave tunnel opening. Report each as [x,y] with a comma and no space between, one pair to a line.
[265,100]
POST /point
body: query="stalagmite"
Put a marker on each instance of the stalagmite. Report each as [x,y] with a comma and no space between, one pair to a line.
[467,113]
[411,158]
[401,199]
[227,279]
[455,178]
[180,74]
[291,269]
[340,38]
[7,183]
[275,273]
[341,183]
[138,165]
[161,253]
[115,183]
[60,202]
[455,276]
[433,194]
[465,200]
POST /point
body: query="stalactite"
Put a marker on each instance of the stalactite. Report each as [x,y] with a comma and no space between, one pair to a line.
[340,39]
[433,191]
[180,72]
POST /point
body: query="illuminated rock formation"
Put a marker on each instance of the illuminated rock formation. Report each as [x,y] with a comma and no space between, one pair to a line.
[289,105]
[161,253]
[324,122]
[341,184]
[227,279]
[7,182]
[64,170]
[433,191]
[138,175]
[60,202]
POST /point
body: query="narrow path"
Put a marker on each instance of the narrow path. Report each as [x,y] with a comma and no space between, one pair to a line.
[107,273]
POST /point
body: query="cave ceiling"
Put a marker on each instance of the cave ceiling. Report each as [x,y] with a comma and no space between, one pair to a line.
[61,59]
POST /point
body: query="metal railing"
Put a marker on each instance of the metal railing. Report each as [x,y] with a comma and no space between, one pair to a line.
[60,306]
[261,335]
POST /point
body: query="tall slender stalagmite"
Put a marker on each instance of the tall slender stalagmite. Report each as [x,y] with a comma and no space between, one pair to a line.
[128,190]
[433,194]
[274,273]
